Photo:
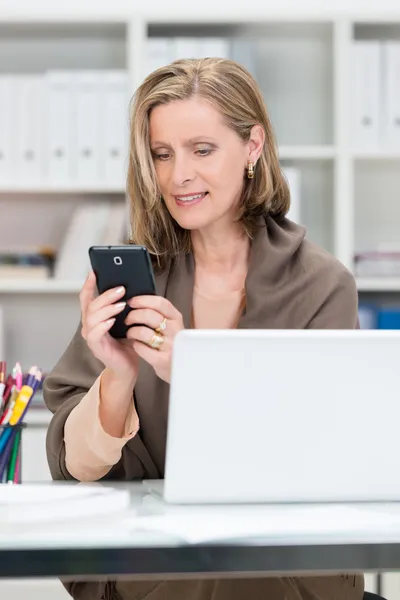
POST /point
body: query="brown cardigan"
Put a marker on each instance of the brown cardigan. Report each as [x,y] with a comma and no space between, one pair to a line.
[291,284]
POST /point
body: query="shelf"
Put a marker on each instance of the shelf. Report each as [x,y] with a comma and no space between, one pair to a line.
[379,154]
[52,286]
[60,189]
[378,284]
[39,286]
[307,152]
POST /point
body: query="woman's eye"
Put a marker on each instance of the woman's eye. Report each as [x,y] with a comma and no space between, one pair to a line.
[161,156]
[203,151]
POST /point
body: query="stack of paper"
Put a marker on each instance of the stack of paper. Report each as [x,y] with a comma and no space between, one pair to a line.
[33,503]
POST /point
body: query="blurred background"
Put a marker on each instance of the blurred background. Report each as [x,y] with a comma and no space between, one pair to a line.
[331,82]
[330,77]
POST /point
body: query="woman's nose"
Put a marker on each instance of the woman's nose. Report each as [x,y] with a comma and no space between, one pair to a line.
[182,171]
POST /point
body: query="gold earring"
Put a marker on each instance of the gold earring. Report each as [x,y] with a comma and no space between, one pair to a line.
[250,170]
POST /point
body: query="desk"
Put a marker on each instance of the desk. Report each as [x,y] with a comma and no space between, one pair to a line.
[115,545]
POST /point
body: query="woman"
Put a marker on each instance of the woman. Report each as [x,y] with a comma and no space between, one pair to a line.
[209,201]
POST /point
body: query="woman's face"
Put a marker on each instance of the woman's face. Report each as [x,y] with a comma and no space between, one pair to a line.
[200,162]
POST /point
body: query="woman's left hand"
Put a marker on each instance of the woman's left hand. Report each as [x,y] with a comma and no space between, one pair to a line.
[153,339]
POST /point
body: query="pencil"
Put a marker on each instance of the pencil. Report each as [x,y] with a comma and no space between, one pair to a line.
[17,478]
[14,457]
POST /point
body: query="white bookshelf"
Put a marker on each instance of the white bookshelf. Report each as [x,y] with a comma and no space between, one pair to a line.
[62,188]
[378,284]
[301,57]
[39,286]
[307,152]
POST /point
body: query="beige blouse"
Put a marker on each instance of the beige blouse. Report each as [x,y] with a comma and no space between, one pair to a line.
[90,451]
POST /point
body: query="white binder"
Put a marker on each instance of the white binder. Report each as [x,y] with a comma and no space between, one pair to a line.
[293,178]
[391,87]
[186,47]
[243,51]
[114,128]
[366,94]
[159,53]
[86,126]
[7,129]
[29,128]
[86,228]
[59,122]
[213,47]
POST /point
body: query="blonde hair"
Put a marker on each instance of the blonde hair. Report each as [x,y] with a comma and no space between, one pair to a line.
[235,94]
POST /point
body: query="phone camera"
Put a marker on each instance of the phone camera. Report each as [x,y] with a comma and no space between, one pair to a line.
[117,260]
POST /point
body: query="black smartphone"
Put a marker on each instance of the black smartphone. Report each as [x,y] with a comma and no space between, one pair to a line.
[129,266]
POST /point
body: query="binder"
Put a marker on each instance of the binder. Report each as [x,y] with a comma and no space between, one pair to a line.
[7,128]
[293,178]
[212,47]
[85,154]
[86,228]
[159,53]
[366,96]
[114,128]
[186,47]
[29,128]
[391,87]
[242,51]
[59,126]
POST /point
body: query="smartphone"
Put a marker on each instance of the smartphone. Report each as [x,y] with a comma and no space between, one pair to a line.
[129,266]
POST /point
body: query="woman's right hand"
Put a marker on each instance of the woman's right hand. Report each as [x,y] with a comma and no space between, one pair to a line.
[98,316]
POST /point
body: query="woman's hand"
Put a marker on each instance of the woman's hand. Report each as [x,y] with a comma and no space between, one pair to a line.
[157,322]
[98,316]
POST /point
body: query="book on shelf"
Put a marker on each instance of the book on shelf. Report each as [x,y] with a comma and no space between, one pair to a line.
[92,224]
[21,265]
[377,263]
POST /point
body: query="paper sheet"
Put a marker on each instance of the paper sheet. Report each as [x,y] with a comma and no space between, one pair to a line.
[274,522]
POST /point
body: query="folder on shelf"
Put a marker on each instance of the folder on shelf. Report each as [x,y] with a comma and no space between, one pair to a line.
[366,94]
[213,47]
[7,128]
[159,53]
[115,231]
[59,126]
[293,178]
[90,225]
[186,47]
[114,127]
[242,51]
[391,87]
[29,128]
[87,122]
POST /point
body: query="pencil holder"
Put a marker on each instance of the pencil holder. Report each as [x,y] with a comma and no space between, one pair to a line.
[10,452]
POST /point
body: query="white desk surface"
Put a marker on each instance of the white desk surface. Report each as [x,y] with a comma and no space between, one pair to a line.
[151,538]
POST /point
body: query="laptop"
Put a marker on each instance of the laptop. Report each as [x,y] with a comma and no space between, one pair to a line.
[262,416]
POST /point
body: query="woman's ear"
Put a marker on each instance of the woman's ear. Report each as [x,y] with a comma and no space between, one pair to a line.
[256,143]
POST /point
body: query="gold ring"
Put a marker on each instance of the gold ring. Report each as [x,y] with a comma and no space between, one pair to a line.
[162,326]
[156,341]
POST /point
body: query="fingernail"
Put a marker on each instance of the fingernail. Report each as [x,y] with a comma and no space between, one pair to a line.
[110,321]
[119,290]
[120,304]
